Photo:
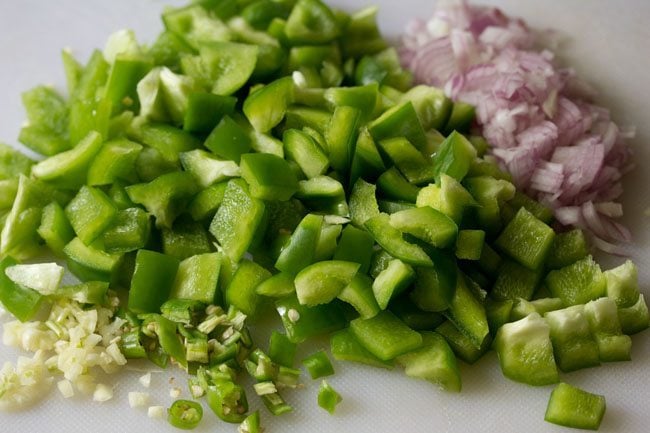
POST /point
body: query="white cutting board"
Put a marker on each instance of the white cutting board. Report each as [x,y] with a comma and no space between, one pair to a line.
[608,45]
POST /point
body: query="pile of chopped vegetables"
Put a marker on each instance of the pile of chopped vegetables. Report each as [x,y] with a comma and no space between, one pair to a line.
[559,147]
[277,154]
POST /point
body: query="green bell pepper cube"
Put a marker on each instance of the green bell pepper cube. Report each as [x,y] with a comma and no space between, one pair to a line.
[345,347]
[570,406]
[228,140]
[406,310]
[126,72]
[228,65]
[634,318]
[69,169]
[328,398]
[266,107]
[525,351]
[393,185]
[208,169]
[623,284]
[363,203]
[311,22]
[270,55]
[460,119]
[573,346]
[43,141]
[327,241]
[186,238]
[252,422]
[45,108]
[185,311]
[366,162]
[567,248]
[90,213]
[392,281]
[90,263]
[269,176]
[73,70]
[206,110]
[170,141]
[491,194]
[355,245]
[197,278]
[526,239]
[55,228]
[318,365]
[606,330]
[152,281]
[282,351]
[399,121]
[577,283]
[300,251]
[87,112]
[204,205]
[195,26]
[363,98]
[490,261]
[427,224]
[19,237]
[13,163]
[431,105]
[165,197]
[260,14]
[359,293]
[448,197]
[498,313]
[301,148]
[361,35]
[454,157]
[515,281]
[151,164]
[20,301]
[167,50]
[540,211]
[462,346]
[115,161]
[323,194]
[433,362]
[241,290]
[385,336]
[392,241]
[417,168]
[302,322]
[300,117]
[311,57]
[277,286]
[434,287]
[321,282]
[129,231]
[469,244]
[467,313]
[341,136]
[522,308]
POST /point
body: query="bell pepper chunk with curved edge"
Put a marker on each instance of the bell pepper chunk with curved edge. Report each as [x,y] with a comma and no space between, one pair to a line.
[385,336]
[20,301]
[197,278]
[152,281]
[417,168]
[301,148]
[302,322]
[393,185]
[468,313]
[434,362]
[301,250]
[266,107]
[454,157]
[577,283]
[321,282]
[228,140]
[573,345]
[165,197]
[341,136]
[525,351]
[434,287]
[90,263]
[241,290]
[363,202]
[69,169]
[269,176]
[90,213]
[311,22]
[426,224]
[570,406]
[526,239]
[360,295]
[355,245]
[115,161]
[237,220]
[391,240]
[392,281]
[55,229]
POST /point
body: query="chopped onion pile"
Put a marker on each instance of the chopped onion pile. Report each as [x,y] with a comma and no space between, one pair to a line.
[559,147]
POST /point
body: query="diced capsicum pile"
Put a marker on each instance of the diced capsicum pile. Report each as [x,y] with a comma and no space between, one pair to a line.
[275,152]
